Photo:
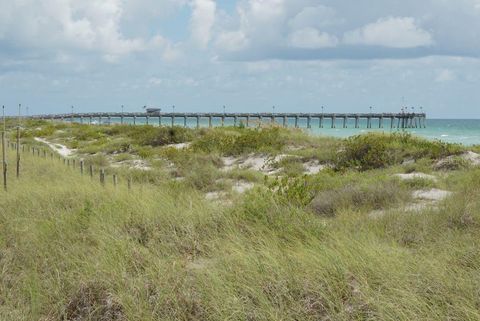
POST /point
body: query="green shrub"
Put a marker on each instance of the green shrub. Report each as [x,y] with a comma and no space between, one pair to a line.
[145,151]
[374,150]
[239,141]
[365,152]
[152,136]
[292,166]
[297,190]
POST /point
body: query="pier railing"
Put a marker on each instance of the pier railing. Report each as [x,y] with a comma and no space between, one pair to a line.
[394,120]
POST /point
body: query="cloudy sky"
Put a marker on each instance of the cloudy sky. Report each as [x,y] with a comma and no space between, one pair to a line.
[249,55]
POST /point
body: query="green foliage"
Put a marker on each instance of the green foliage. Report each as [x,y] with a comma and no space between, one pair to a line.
[291,166]
[418,183]
[239,141]
[373,150]
[366,152]
[150,135]
[145,152]
[297,190]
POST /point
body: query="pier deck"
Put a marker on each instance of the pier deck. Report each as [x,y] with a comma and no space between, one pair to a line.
[394,120]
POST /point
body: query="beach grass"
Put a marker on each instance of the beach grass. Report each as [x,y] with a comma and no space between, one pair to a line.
[293,248]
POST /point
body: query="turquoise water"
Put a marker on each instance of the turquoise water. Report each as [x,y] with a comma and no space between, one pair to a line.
[463,131]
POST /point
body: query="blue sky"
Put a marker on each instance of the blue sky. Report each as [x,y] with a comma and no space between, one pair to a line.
[249,55]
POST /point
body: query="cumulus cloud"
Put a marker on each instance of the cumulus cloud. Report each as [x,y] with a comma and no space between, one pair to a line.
[393,32]
[85,25]
[311,38]
[203,19]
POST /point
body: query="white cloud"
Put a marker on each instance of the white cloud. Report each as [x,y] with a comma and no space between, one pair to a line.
[393,32]
[231,41]
[203,19]
[311,38]
[317,17]
[85,25]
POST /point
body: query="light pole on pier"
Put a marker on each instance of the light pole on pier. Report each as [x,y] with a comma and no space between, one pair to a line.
[122,109]
[71,115]
[224,109]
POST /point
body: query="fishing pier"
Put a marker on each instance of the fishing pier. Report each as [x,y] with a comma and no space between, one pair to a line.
[322,120]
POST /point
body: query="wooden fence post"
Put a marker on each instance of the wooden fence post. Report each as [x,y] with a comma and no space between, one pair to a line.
[18,151]
[81,167]
[129,183]
[102,177]
[114,180]
[4,159]
[91,171]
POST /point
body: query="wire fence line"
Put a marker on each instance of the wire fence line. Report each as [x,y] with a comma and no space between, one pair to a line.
[46,153]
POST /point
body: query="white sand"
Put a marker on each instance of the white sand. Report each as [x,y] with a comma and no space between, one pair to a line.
[424,199]
[259,163]
[313,167]
[435,195]
[472,157]
[265,164]
[412,176]
[215,196]
[241,187]
[61,149]
[179,146]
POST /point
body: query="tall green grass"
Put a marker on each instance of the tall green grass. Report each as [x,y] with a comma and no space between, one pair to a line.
[73,250]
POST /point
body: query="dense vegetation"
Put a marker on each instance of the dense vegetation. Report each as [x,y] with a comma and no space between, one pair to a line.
[293,248]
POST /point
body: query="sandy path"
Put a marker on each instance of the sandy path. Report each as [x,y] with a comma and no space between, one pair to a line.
[61,149]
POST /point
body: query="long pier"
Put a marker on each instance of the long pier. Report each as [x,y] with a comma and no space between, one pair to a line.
[393,120]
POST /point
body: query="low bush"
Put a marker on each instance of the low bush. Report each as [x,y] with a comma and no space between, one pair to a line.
[373,150]
[239,140]
[159,136]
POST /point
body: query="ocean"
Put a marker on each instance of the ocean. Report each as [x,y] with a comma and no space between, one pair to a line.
[462,131]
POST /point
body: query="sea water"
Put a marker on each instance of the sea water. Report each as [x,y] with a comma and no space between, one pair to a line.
[463,131]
